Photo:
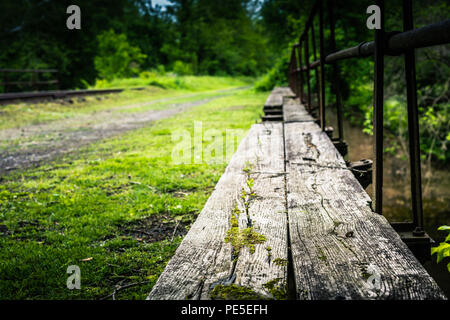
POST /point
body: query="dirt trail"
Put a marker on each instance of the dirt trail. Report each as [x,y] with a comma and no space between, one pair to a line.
[31,145]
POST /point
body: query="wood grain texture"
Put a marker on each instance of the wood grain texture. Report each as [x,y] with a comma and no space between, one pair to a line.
[277,96]
[284,91]
[203,259]
[293,111]
[274,100]
[337,242]
[339,248]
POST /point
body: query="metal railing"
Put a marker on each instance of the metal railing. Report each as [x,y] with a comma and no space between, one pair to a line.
[33,83]
[385,43]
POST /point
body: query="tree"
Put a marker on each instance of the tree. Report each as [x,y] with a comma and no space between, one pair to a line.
[116,58]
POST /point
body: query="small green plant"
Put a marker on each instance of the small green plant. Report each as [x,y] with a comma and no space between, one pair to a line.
[277,288]
[443,250]
[242,237]
[248,168]
[269,252]
[236,210]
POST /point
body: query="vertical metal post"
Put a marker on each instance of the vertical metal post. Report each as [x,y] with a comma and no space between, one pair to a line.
[337,86]
[300,65]
[413,125]
[316,71]
[290,71]
[294,74]
[322,68]
[297,73]
[378,112]
[308,75]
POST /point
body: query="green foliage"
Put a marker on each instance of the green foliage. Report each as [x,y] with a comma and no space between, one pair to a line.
[443,250]
[280,262]
[240,238]
[182,69]
[116,58]
[284,22]
[434,123]
[172,81]
[277,288]
[277,76]
[216,38]
[435,127]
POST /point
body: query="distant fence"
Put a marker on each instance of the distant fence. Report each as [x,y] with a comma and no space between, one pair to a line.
[394,43]
[34,83]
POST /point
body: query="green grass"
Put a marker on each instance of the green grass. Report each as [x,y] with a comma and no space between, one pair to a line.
[83,206]
[172,81]
[21,114]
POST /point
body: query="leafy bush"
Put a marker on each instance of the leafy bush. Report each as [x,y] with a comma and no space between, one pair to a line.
[434,125]
[182,69]
[116,57]
[443,250]
[435,137]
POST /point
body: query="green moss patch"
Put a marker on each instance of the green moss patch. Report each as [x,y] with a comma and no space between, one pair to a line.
[276,288]
[280,262]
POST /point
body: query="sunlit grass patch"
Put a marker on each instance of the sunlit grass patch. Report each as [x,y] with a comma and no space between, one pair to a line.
[96,208]
[197,87]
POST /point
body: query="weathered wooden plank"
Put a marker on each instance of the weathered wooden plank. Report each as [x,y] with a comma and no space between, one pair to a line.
[340,248]
[273,117]
[276,97]
[293,111]
[274,100]
[204,261]
[284,91]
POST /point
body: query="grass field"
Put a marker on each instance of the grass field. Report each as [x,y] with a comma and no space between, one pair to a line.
[117,208]
[21,114]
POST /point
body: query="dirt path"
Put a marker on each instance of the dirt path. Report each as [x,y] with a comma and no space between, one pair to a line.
[31,145]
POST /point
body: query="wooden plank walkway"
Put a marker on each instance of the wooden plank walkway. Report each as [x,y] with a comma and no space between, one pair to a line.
[337,242]
[288,220]
[205,261]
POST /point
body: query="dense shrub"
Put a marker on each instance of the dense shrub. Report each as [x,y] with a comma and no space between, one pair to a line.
[116,58]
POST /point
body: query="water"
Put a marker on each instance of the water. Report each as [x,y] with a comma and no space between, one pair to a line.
[397,195]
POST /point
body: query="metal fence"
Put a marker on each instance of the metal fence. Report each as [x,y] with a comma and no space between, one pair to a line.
[385,43]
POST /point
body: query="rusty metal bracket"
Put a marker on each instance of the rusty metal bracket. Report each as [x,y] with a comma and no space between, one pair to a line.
[420,246]
[341,146]
[362,171]
[329,131]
